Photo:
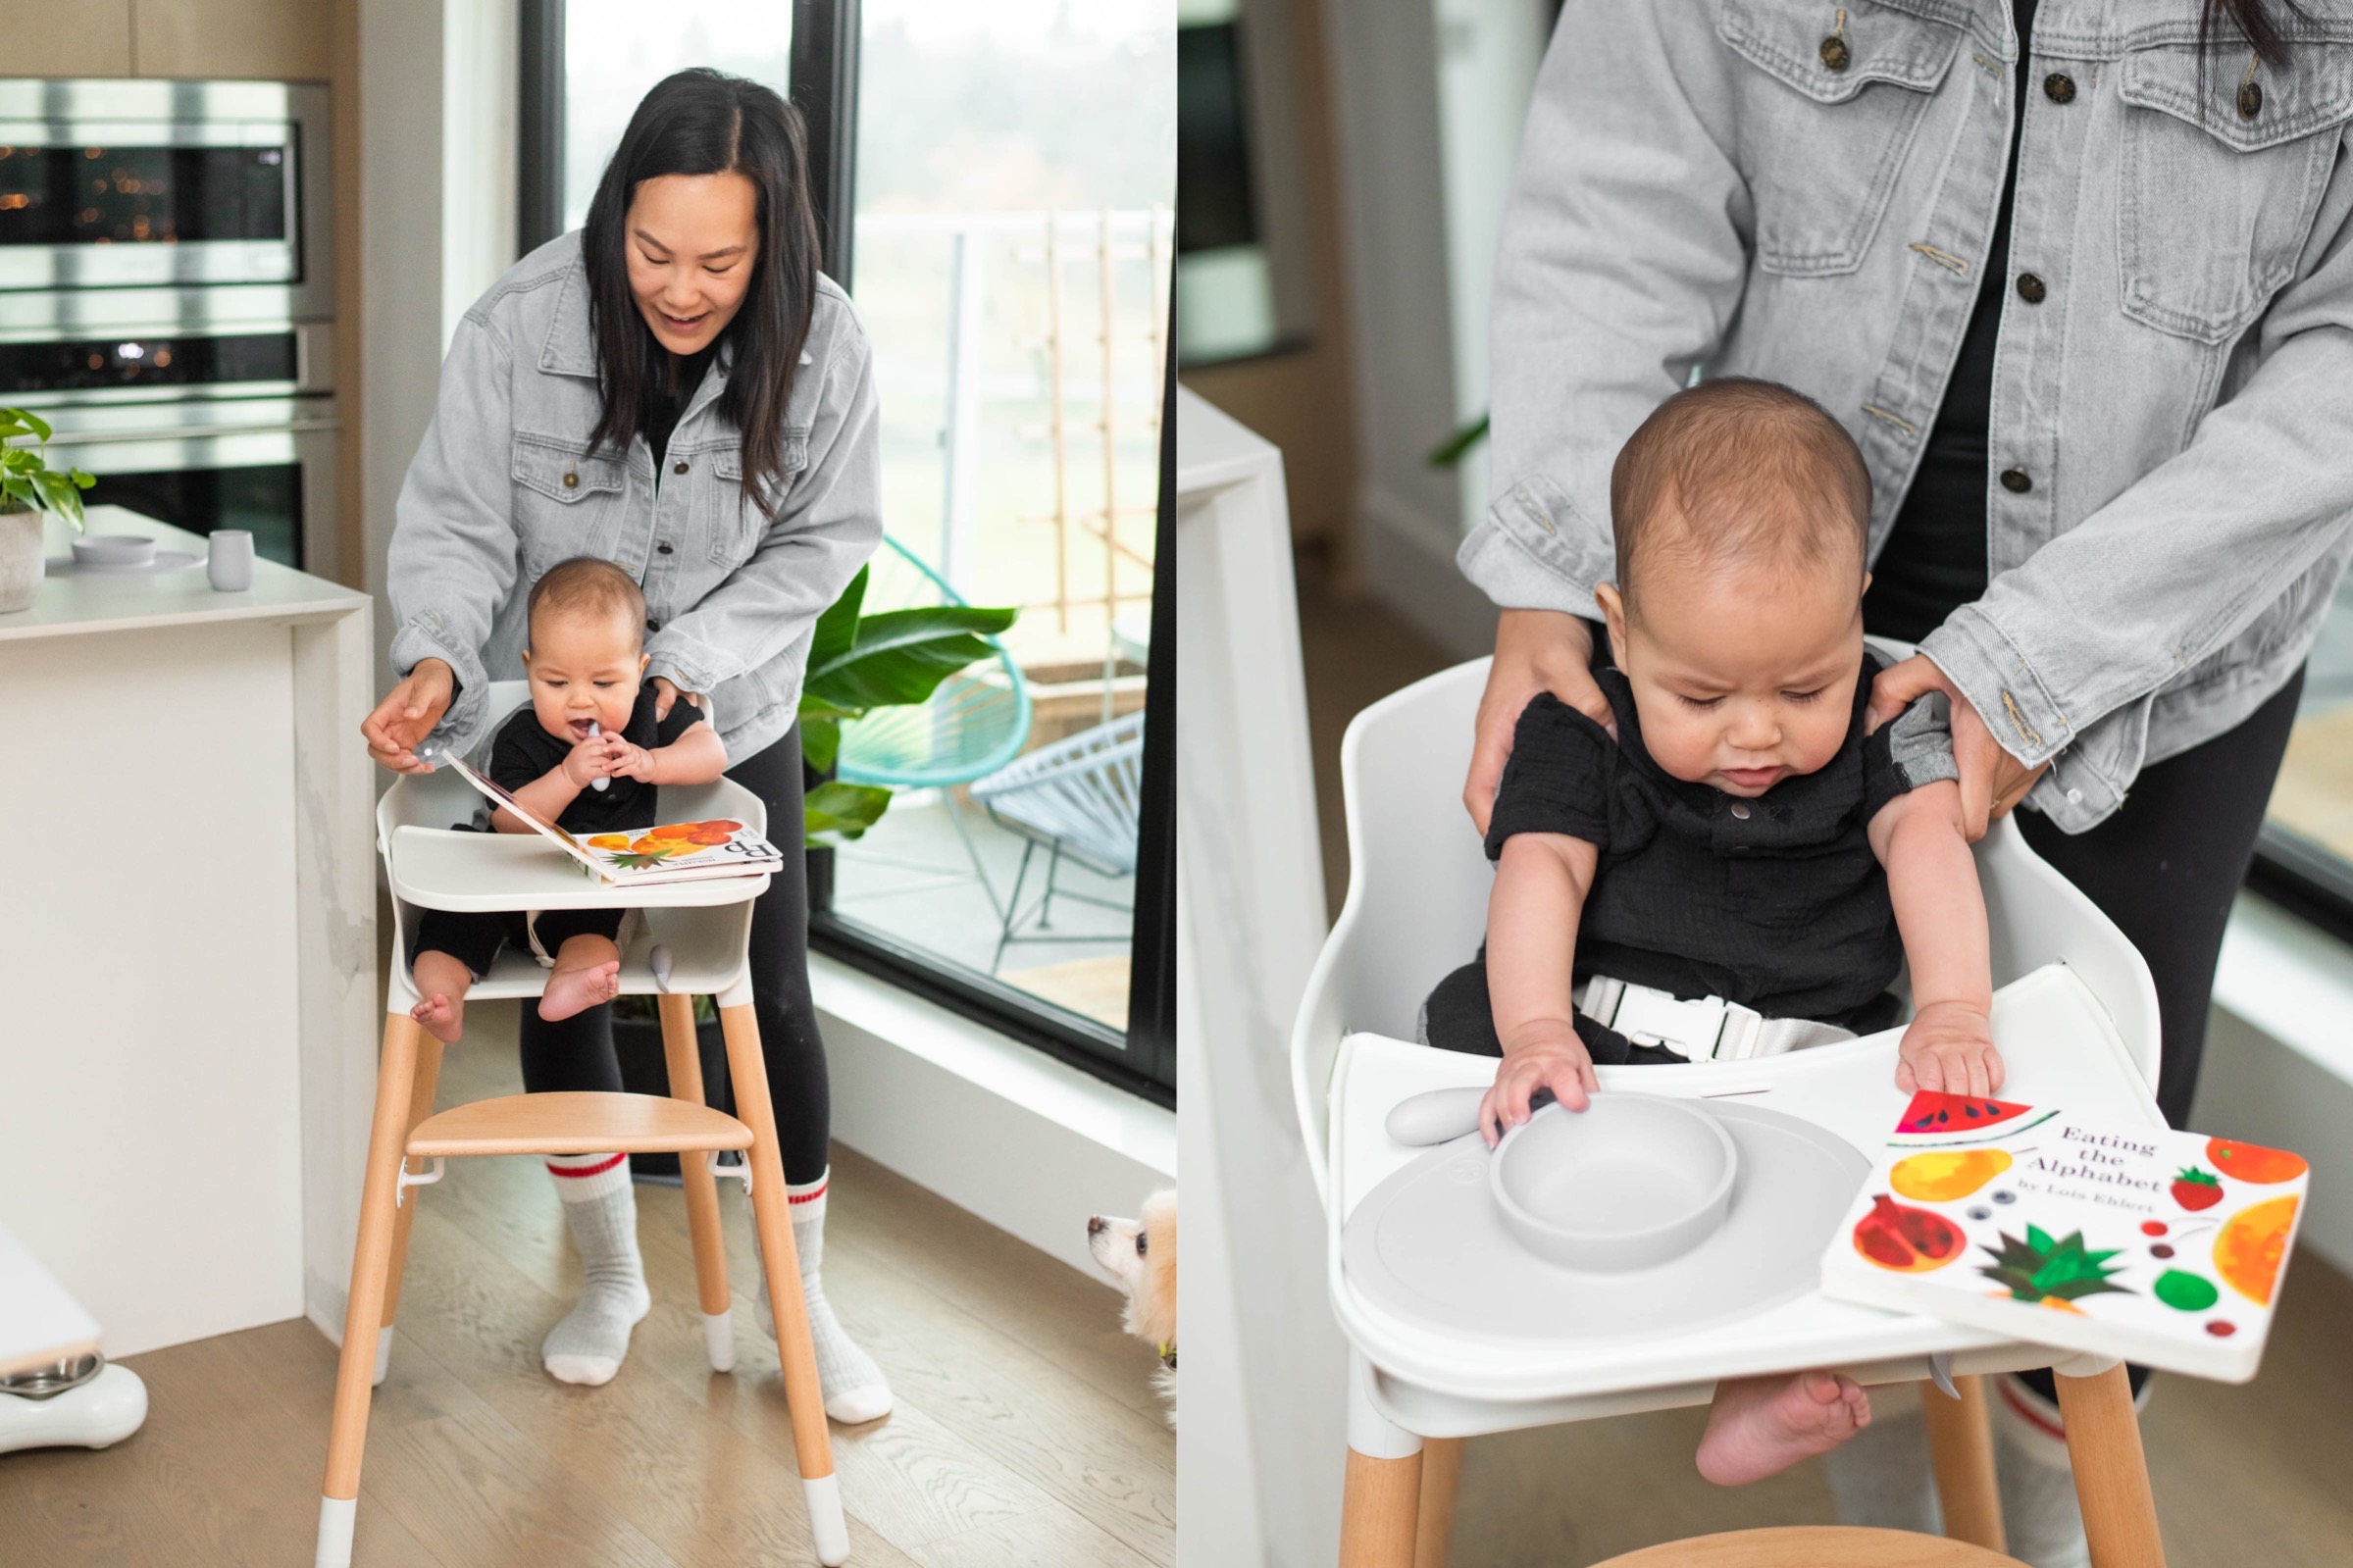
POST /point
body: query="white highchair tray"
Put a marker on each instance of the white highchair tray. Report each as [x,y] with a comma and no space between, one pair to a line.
[1428,1243]
[2057,1042]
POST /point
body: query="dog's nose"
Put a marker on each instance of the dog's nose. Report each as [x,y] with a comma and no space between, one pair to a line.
[1094,1225]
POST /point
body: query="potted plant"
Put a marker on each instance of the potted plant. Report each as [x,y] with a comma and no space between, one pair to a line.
[29,488]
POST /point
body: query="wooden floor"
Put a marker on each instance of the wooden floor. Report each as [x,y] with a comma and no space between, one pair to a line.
[1026,1432]
[2253,1475]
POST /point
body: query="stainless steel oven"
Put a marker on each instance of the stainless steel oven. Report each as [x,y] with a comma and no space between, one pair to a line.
[167,299]
[163,201]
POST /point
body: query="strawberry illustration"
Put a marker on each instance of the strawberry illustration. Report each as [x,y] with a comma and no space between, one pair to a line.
[2196,1190]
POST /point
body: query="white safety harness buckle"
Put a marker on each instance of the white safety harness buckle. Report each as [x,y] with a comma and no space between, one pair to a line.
[1707,1029]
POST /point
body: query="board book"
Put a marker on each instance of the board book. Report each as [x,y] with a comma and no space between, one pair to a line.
[641,857]
[2160,1247]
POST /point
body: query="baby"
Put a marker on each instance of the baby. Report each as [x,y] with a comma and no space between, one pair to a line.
[589,719]
[1735,832]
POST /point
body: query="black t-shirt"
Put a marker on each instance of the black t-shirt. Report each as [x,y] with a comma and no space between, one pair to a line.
[1776,902]
[668,391]
[1933,560]
[524,753]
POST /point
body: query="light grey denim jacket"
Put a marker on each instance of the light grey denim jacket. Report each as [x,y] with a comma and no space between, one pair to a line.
[1698,188]
[503,487]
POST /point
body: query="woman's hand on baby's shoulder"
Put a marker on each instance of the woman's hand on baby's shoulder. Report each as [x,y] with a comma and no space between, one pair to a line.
[1543,1055]
[1948,1048]
[1535,650]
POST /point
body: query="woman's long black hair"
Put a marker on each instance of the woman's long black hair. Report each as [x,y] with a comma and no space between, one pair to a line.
[2253,22]
[704,121]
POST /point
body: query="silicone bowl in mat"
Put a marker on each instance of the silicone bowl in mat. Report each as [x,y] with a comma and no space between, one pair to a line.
[1628,1183]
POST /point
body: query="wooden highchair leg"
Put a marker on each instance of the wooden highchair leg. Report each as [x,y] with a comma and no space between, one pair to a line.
[680,1051]
[347,1433]
[2111,1475]
[1440,1471]
[423,1081]
[1380,1500]
[771,1216]
[1961,1449]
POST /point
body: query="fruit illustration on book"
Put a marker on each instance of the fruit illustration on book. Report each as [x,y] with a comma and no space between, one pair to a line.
[2196,1190]
[2252,1162]
[1941,1176]
[2247,1252]
[1934,1118]
[1907,1240]
[658,844]
[2052,1273]
[2184,1291]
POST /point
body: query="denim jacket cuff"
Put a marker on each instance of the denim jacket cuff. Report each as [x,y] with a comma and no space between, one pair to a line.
[461,727]
[686,665]
[1994,673]
[1536,551]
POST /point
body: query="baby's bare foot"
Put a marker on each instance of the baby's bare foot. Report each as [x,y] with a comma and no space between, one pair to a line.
[442,1018]
[576,991]
[1762,1426]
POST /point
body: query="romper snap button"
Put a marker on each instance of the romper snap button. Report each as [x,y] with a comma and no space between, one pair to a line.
[1740,809]
[571,481]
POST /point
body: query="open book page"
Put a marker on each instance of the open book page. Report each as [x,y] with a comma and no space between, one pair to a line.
[2160,1247]
[690,851]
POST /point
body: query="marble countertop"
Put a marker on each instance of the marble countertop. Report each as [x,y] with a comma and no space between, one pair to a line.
[77,603]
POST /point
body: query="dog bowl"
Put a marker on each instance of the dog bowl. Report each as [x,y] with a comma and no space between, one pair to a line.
[1630,1181]
[114,551]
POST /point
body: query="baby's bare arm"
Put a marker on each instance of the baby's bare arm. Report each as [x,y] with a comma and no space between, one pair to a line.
[1540,887]
[695,757]
[1940,910]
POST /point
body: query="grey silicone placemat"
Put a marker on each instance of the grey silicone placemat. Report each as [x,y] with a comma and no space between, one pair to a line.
[1428,1246]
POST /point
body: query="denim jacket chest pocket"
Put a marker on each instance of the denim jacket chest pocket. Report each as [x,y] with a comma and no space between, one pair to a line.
[567,501]
[737,519]
[2219,179]
[1825,121]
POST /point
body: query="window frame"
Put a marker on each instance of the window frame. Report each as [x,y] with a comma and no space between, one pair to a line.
[824,67]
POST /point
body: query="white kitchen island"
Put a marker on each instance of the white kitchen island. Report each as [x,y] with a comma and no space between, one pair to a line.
[188,1002]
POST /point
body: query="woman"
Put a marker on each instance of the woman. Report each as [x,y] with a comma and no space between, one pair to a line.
[2115,538]
[675,388]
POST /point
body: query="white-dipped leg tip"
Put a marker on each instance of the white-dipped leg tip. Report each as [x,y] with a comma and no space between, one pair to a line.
[383,1355]
[829,1532]
[335,1516]
[857,1406]
[719,1339]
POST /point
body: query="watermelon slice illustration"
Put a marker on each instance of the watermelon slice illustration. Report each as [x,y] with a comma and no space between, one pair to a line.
[1935,1120]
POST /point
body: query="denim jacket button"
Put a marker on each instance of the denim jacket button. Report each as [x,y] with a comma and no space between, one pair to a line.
[678,467]
[2074,797]
[571,481]
[1834,52]
[2030,289]
[2250,100]
[2015,480]
[2059,87]
[653,626]
[662,548]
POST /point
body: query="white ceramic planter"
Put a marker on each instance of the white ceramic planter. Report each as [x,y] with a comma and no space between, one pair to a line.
[21,563]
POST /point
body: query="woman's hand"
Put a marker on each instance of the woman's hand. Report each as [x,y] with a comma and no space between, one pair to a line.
[666,696]
[1992,780]
[1535,650]
[407,714]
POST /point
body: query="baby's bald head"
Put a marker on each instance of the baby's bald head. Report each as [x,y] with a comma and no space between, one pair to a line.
[1739,474]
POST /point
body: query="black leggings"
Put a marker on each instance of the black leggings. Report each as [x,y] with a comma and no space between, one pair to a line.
[2165,867]
[577,1052]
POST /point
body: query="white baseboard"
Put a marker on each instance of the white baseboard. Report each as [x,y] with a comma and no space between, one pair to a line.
[1001,1130]
[1407,563]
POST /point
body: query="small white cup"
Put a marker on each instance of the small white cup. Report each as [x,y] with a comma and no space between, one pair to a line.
[228,560]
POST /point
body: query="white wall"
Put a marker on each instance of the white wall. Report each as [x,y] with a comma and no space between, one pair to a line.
[480,103]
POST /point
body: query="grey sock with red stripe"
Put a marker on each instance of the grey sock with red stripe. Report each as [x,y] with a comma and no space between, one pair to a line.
[600,1209]
[855,1389]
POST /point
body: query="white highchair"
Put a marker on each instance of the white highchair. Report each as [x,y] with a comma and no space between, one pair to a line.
[2076,1014]
[704,929]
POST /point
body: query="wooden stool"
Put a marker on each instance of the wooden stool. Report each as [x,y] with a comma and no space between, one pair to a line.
[1398,1511]
[701,930]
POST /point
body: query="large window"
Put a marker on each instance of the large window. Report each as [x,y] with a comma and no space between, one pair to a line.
[997,186]
[2305,854]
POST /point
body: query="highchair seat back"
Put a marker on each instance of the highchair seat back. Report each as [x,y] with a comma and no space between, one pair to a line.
[702,926]
[1418,881]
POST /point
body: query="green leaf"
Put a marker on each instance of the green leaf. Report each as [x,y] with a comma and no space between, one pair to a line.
[838,628]
[836,813]
[901,656]
[59,496]
[1450,452]
[819,708]
[19,487]
[19,421]
[820,741]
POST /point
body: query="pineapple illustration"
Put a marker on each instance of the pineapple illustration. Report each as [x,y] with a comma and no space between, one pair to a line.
[2052,1273]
